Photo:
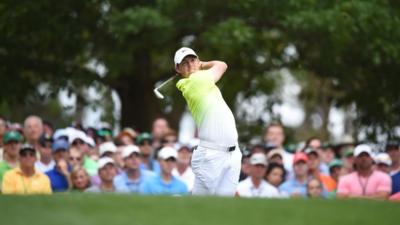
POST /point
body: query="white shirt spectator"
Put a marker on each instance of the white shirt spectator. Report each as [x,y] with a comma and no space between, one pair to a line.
[187,177]
[246,188]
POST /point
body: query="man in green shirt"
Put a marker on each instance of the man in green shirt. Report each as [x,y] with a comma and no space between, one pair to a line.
[12,143]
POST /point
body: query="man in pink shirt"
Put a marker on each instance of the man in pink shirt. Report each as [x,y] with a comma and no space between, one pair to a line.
[365,182]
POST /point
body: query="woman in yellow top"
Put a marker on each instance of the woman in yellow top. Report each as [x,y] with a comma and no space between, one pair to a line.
[25,179]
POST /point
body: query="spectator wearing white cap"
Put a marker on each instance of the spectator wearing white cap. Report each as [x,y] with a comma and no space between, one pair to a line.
[107,172]
[383,162]
[183,170]
[255,186]
[365,182]
[165,183]
[130,179]
[79,140]
[107,149]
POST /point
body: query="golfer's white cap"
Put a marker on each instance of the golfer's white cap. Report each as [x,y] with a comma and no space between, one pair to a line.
[258,159]
[383,158]
[129,149]
[361,149]
[181,53]
[167,152]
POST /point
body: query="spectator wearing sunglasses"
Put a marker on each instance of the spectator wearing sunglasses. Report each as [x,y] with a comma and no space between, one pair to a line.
[25,179]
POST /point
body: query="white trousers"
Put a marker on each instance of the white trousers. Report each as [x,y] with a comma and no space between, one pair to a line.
[216,172]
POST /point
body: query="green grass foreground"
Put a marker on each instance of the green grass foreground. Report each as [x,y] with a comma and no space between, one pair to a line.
[143,210]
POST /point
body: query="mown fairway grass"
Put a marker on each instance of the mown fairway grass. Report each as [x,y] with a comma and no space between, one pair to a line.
[142,210]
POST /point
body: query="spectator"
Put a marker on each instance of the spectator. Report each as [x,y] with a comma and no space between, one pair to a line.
[275,156]
[75,158]
[327,155]
[80,180]
[48,128]
[165,183]
[335,169]
[132,177]
[245,167]
[314,188]
[79,140]
[383,162]
[60,175]
[170,139]
[3,129]
[275,174]
[107,172]
[275,135]
[145,141]
[107,149]
[183,171]
[393,149]
[364,182]
[25,179]
[12,144]
[297,186]
[46,162]
[159,129]
[314,170]
[255,186]
[127,136]
[348,160]
[33,129]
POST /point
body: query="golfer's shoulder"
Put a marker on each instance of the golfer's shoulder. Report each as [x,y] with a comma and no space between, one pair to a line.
[199,77]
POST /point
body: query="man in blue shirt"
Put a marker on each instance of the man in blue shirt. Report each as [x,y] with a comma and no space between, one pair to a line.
[297,185]
[165,183]
[130,179]
[59,176]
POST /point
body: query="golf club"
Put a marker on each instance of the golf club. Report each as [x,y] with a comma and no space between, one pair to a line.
[157,92]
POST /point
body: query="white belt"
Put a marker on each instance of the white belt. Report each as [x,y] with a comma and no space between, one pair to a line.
[218,147]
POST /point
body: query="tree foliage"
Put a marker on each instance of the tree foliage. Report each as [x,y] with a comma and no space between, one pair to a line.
[350,46]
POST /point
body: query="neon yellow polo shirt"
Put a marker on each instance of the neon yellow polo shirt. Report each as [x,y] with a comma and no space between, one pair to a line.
[212,115]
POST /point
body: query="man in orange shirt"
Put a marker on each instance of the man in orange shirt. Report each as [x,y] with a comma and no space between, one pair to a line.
[25,179]
[314,161]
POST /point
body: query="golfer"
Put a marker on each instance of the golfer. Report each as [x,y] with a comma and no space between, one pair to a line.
[217,160]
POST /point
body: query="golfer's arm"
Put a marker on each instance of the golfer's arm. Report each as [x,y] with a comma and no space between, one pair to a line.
[217,68]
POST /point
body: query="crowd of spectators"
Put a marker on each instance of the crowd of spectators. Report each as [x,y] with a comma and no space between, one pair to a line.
[36,158]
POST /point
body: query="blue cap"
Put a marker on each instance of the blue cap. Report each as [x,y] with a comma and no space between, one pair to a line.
[60,144]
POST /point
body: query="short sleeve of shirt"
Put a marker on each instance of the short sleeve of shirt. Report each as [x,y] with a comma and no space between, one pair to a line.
[343,186]
[385,183]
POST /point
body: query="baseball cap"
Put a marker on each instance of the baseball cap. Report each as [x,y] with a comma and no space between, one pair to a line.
[27,147]
[383,158]
[76,134]
[104,161]
[167,152]
[12,136]
[335,162]
[60,144]
[144,137]
[107,147]
[129,149]
[181,53]
[45,138]
[299,156]
[348,152]
[275,152]
[310,151]
[258,159]
[361,149]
